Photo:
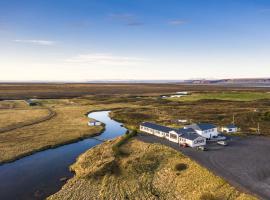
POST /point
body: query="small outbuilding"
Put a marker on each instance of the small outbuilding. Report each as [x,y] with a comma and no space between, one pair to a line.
[229,129]
[31,102]
[94,123]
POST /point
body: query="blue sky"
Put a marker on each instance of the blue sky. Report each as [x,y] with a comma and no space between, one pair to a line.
[80,40]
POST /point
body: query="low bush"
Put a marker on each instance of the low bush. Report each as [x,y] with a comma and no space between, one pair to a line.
[208,196]
[106,169]
[146,163]
[116,147]
[180,167]
[266,116]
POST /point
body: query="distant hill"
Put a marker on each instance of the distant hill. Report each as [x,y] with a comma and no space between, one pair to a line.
[240,81]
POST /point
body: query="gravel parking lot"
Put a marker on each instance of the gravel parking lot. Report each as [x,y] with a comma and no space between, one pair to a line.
[245,162]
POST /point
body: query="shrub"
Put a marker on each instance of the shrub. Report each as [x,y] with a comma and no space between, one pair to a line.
[208,196]
[146,163]
[266,116]
[180,167]
[116,147]
[107,168]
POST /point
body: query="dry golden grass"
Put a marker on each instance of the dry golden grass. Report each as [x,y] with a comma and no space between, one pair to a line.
[12,104]
[69,124]
[228,95]
[10,117]
[22,91]
[147,171]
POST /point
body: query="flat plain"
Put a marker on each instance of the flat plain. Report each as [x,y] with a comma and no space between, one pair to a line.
[130,104]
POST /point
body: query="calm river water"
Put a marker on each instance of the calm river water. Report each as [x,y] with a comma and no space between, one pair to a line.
[38,176]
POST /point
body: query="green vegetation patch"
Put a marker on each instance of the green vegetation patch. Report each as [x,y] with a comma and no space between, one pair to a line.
[124,139]
[229,96]
[180,166]
[266,116]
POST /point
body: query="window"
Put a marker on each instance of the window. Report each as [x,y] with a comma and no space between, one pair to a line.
[199,141]
[173,136]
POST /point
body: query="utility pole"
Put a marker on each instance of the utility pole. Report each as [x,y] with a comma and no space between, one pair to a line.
[233,120]
[258,128]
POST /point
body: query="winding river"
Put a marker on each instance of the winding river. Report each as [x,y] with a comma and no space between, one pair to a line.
[39,175]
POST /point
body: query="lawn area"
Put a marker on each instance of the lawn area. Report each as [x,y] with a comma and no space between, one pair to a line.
[145,171]
[230,96]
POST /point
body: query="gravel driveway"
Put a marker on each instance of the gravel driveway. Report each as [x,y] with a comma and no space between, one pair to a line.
[245,162]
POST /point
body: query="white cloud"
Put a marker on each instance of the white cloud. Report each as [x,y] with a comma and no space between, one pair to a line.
[105,59]
[37,42]
[177,22]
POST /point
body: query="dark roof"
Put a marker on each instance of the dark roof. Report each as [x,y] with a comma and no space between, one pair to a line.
[231,126]
[157,127]
[188,133]
[202,126]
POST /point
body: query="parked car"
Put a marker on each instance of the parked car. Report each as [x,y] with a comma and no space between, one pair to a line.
[202,148]
[223,143]
[184,145]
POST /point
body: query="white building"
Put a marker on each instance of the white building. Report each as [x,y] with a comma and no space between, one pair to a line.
[94,123]
[176,96]
[229,129]
[187,136]
[205,130]
[183,93]
[155,129]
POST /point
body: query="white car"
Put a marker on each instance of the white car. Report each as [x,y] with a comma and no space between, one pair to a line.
[223,143]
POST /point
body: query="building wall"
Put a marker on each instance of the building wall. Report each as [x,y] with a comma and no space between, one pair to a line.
[173,137]
[229,130]
[152,131]
[208,133]
[200,141]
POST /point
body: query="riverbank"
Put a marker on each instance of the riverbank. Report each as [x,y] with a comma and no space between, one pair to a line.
[144,171]
[68,125]
[44,173]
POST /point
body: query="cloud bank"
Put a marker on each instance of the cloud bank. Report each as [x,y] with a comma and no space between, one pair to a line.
[104,59]
[37,42]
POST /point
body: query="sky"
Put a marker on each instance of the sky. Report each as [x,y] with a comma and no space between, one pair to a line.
[86,40]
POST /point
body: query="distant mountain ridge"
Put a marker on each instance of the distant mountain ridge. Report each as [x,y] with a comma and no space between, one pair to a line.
[240,81]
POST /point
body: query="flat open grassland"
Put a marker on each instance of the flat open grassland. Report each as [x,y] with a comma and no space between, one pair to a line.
[247,114]
[68,125]
[22,91]
[10,117]
[145,171]
[148,163]
[229,96]
[70,122]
